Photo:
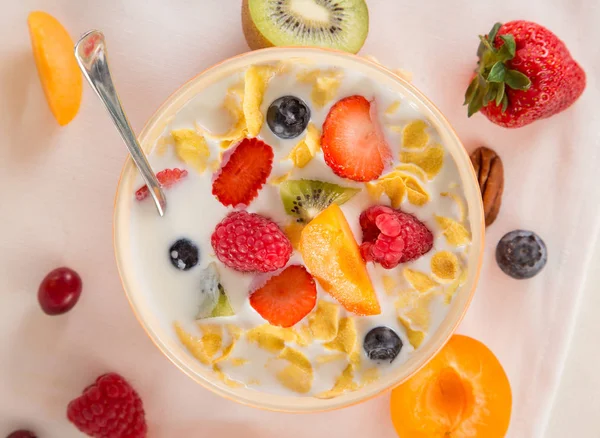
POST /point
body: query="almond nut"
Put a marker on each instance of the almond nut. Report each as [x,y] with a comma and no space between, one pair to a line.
[490,175]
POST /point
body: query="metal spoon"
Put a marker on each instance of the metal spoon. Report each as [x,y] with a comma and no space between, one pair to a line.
[91,55]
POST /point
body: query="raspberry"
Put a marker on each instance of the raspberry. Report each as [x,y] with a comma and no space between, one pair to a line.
[391,236]
[110,408]
[248,242]
[166,178]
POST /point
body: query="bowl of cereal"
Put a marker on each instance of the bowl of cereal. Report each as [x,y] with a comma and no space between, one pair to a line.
[324,233]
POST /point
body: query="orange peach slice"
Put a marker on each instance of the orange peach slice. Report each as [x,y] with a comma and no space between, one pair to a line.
[56,65]
[462,392]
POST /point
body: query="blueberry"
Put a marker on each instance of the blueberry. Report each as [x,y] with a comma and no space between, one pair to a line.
[184,254]
[521,254]
[382,343]
[288,117]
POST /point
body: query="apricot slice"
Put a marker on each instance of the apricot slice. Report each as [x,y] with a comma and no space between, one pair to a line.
[462,392]
[56,65]
[331,254]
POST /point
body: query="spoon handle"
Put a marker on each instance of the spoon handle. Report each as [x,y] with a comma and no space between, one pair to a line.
[91,55]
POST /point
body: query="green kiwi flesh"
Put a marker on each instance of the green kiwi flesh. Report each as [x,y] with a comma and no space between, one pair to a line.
[304,199]
[335,24]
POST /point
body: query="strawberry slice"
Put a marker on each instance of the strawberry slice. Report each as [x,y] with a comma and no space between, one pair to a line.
[286,298]
[352,141]
[244,174]
[166,178]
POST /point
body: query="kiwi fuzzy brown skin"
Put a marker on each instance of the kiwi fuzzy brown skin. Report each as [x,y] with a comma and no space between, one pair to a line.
[253,37]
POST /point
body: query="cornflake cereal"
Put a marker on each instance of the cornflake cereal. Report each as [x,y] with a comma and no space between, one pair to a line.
[345,382]
[255,83]
[298,375]
[191,148]
[325,84]
[270,338]
[462,209]
[414,135]
[430,160]
[324,321]
[397,185]
[392,108]
[445,266]
[456,234]
[345,341]
[415,337]
[306,149]
[418,280]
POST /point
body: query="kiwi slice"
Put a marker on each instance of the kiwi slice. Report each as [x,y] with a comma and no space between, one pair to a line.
[305,198]
[214,300]
[335,24]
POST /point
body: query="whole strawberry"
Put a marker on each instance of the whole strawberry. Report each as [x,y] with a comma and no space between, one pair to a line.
[110,408]
[524,73]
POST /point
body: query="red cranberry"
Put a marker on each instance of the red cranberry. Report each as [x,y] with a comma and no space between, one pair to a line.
[59,291]
[22,434]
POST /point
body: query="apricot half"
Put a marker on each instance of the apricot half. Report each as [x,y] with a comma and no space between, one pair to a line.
[56,64]
[462,392]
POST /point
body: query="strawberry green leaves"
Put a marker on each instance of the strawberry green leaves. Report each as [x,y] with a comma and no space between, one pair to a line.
[494,74]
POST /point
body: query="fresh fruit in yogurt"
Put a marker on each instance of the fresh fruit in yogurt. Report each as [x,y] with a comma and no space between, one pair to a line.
[56,65]
[244,173]
[525,73]
[391,237]
[109,408]
[184,254]
[288,117]
[214,300]
[249,242]
[304,199]
[59,291]
[341,25]
[331,254]
[353,143]
[167,178]
[521,254]
[382,344]
[462,392]
[21,434]
[285,299]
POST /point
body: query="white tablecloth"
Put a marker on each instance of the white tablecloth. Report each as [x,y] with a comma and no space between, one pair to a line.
[57,187]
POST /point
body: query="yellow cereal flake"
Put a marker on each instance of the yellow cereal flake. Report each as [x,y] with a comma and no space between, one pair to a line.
[191,148]
[415,337]
[445,266]
[255,84]
[417,195]
[297,358]
[163,144]
[226,352]
[456,234]
[270,338]
[392,108]
[413,169]
[295,379]
[462,209]
[233,105]
[345,341]
[194,345]
[396,185]
[276,180]
[418,280]
[419,314]
[430,160]
[324,321]
[327,358]
[238,361]
[306,149]
[224,378]
[369,376]
[453,287]
[389,284]
[345,382]
[293,230]
[414,135]
[212,338]
[325,84]
[406,298]
[374,190]
[234,331]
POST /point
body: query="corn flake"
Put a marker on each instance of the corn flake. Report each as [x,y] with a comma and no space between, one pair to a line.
[233,105]
[430,160]
[238,361]
[392,108]
[194,345]
[389,284]
[345,382]
[414,169]
[417,195]
[419,314]
[414,135]
[297,358]
[369,376]
[306,149]
[295,379]
[163,144]
[445,266]
[224,378]
[418,280]
[327,358]
[397,185]
[270,338]
[324,321]
[456,234]
[255,84]
[191,148]
[304,336]
[345,341]
[325,84]
[415,337]
[452,288]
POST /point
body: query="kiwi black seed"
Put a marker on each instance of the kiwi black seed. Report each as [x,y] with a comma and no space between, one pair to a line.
[336,24]
[304,199]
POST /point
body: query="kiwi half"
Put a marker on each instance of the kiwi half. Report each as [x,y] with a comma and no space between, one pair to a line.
[335,24]
[305,198]
[214,300]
